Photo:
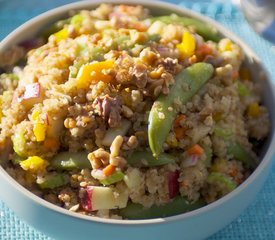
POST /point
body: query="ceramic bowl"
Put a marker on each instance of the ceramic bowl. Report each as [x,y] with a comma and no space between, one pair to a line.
[199,224]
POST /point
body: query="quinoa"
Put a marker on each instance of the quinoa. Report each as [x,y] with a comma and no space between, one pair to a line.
[75,116]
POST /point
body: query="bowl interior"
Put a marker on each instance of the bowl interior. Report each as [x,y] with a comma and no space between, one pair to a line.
[34,26]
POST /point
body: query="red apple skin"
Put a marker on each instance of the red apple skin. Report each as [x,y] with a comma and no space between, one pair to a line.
[86,199]
[173,184]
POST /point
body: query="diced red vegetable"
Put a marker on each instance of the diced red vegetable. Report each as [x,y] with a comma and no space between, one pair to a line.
[173,184]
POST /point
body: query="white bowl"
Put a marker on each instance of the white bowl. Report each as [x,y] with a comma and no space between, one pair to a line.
[198,224]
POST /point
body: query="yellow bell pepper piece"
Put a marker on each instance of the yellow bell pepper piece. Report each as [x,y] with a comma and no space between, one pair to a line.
[39,131]
[40,127]
[187,46]
[61,35]
[35,115]
[253,110]
[34,164]
[226,45]
[93,73]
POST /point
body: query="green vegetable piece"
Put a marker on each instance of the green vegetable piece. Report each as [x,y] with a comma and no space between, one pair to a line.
[19,142]
[209,155]
[53,181]
[177,206]
[11,76]
[207,31]
[242,89]
[161,117]
[240,154]
[77,20]
[216,177]
[146,159]
[115,177]
[75,69]
[95,53]
[69,161]
[225,133]
[154,37]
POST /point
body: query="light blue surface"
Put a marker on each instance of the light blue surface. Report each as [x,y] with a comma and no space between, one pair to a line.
[258,221]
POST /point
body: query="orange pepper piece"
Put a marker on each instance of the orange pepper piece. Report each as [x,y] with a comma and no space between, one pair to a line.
[204,50]
[108,170]
[179,132]
[179,119]
[93,73]
[195,150]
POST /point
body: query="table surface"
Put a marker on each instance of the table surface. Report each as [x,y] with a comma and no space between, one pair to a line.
[258,220]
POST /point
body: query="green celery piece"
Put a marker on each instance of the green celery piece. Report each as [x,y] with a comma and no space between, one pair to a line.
[225,133]
[154,37]
[216,177]
[53,181]
[240,154]
[209,155]
[19,142]
[242,89]
[11,76]
[146,159]
[77,65]
[207,31]
[77,20]
[161,117]
[178,206]
[70,161]
[115,177]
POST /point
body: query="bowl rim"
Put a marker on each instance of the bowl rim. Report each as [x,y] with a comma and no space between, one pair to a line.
[50,14]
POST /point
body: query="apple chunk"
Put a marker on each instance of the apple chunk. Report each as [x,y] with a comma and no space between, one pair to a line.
[33,94]
[97,198]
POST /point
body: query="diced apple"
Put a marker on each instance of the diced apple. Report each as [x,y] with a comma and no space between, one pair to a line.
[115,131]
[173,184]
[98,198]
[133,178]
[33,94]
[86,199]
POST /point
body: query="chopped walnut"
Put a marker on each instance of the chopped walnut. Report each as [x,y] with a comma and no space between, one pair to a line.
[109,109]
[171,65]
[140,75]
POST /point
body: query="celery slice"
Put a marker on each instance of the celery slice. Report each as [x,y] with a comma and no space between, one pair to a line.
[115,177]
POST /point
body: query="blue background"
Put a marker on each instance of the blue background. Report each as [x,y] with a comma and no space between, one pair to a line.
[258,221]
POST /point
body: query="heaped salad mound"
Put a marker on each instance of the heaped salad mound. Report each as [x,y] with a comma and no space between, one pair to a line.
[118,114]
